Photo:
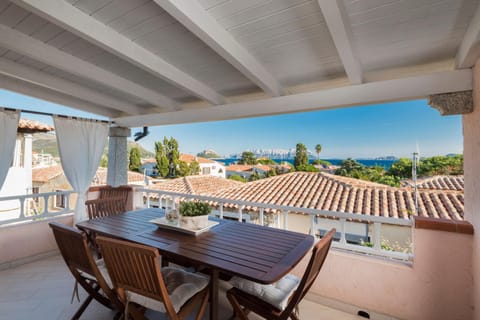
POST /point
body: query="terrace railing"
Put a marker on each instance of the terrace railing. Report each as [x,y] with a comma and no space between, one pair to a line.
[375,246]
[30,207]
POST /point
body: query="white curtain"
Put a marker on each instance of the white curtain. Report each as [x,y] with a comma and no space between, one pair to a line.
[80,143]
[8,136]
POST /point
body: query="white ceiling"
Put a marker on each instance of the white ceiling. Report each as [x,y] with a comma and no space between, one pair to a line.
[145,62]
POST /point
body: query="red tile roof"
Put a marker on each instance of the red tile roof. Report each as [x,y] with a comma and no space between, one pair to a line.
[198,185]
[45,174]
[247,167]
[188,158]
[32,126]
[454,183]
[333,193]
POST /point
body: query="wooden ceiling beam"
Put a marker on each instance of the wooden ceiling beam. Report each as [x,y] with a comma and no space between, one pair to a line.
[38,50]
[337,22]
[32,90]
[85,26]
[196,19]
[355,95]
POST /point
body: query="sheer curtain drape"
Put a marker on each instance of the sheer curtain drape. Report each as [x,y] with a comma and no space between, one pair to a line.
[80,143]
[8,136]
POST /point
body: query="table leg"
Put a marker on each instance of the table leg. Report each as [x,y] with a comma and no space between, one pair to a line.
[214,295]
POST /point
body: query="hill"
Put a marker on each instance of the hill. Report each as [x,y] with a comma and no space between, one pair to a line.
[208,154]
[47,143]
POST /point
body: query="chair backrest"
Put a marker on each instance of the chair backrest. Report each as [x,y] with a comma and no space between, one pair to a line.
[73,247]
[115,192]
[76,252]
[319,253]
[136,268]
[98,208]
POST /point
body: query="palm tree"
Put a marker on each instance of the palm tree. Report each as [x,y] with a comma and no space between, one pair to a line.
[318,149]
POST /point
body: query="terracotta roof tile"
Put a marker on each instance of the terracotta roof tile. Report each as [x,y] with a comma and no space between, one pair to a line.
[31,126]
[454,183]
[47,173]
[199,185]
[323,191]
[188,158]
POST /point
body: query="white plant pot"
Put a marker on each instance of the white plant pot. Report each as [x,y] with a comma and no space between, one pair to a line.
[194,223]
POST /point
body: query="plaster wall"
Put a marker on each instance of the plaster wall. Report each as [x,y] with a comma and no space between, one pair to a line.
[24,240]
[471,155]
[438,285]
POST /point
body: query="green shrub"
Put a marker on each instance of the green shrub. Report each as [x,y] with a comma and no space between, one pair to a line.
[194,209]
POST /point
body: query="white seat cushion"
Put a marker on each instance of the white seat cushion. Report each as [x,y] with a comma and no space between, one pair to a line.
[181,286]
[276,294]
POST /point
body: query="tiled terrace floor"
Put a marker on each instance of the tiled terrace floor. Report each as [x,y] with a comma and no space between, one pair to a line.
[42,290]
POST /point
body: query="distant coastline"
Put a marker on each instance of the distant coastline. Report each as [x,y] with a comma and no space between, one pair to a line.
[385,163]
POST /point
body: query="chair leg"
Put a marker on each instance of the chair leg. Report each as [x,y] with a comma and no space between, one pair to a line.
[82,308]
[203,306]
[237,308]
[294,316]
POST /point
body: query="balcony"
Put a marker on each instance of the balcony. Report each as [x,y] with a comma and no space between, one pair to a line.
[399,283]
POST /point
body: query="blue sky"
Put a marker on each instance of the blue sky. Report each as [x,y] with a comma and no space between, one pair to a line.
[366,131]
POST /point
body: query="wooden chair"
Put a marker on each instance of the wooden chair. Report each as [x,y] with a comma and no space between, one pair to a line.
[76,253]
[107,192]
[137,277]
[290,298]
[99,208]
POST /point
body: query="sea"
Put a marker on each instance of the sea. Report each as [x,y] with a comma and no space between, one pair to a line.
[386,164]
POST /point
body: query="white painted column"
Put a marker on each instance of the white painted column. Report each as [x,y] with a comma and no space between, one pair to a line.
[18,152]
[117,174]
[471,154]
[27,161]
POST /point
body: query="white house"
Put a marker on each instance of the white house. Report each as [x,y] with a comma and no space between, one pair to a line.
[208,167]
[19,177]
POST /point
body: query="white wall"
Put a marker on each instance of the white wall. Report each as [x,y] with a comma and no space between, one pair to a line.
[471,154]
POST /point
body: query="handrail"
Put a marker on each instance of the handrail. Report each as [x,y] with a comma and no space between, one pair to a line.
[28,216]
[343,218]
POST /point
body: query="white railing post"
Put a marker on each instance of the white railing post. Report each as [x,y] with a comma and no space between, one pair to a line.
[147,202]
[45,204]
[312,225]
[22,207]
[343,225]
[377,234]
[284,211]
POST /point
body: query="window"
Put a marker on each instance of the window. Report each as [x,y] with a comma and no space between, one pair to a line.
[60,201]
[206,170]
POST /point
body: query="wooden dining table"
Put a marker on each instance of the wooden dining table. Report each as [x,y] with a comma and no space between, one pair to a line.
[258,253]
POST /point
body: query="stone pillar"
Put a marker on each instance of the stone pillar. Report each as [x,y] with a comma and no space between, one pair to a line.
[471,155]
[27,161]
[117,174]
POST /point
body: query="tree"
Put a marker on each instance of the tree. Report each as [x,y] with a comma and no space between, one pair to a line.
[134,160]
[183,169]
[104,161]
[194,168]
[318,149]
[171,152]
[162,160]
[266,161]
[301,156]
[402,168]
[248,158]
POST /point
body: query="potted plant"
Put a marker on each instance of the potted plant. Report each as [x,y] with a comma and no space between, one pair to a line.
[194,214]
